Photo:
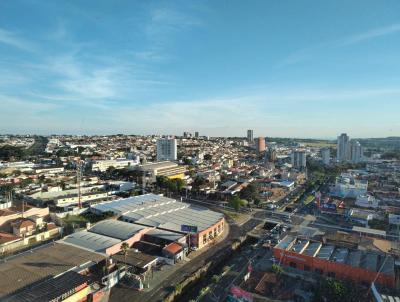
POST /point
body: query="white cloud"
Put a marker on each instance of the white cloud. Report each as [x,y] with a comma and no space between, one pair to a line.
[10,38]
[371,34]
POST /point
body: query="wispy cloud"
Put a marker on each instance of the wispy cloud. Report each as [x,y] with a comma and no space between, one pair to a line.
[308,53]
[10,38]
[371,34]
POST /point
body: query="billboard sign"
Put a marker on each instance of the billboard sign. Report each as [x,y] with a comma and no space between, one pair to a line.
[188,228]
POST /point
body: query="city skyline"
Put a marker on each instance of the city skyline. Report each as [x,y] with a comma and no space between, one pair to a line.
[157,68]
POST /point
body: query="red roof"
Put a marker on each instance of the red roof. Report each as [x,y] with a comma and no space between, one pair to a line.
[173,248]
[7,237]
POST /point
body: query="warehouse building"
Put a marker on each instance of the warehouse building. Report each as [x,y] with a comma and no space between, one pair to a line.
[167,214]
[107,236]
[336,261]
[29,275]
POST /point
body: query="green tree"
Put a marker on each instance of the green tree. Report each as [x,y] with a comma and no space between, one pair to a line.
[249,193]
[235,202]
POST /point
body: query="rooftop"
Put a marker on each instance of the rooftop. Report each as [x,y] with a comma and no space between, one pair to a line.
[90,241]
[116,229]
[42,263]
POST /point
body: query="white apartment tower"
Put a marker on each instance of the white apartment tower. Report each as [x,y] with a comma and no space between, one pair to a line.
[167,149]
[326,155]
[343,149]
[356,152]
[299,161]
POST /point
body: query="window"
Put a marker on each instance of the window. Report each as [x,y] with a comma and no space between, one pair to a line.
[204,239]
[307,268]
[293,264]
[219,228]
[331,274]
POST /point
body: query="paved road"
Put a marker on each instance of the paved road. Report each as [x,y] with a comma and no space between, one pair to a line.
[121,293]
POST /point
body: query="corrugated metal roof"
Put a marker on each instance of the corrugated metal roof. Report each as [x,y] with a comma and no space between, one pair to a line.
[90,241]
[171,236]
[44,262]
[158,211]
[325,252]
[312,248]
[116,229]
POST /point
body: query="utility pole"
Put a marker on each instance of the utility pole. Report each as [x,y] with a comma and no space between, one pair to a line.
[78,180]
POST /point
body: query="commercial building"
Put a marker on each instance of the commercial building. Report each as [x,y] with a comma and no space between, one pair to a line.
[164,213]
[335,261]
[107,236]
[23,278]
[326,156]
[120,163]
[250,137]
[260,144]
[299,160]
[348,185]
[166,168]
[167,149]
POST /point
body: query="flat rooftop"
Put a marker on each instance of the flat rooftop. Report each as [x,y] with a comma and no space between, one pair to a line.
[139,260]
[42,263]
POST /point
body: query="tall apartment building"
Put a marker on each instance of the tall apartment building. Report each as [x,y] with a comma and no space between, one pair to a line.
[196,134]
[260,144]
[250,137]
[356,152]
[343,153]
[326,156]
[167,149]
[299,160]
[349,150]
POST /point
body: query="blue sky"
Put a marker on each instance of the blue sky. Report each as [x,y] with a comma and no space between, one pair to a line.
[282,68]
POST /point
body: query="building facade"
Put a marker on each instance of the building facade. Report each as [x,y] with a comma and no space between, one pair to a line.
[260,144]
[167,149]
[299,160]
[326,156]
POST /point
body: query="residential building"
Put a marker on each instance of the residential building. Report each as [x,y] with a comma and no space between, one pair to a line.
[250,137]
[260,144]
[299,160]
[167,149]
[196,134]
[343,152]
[326,156]
[356,152]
